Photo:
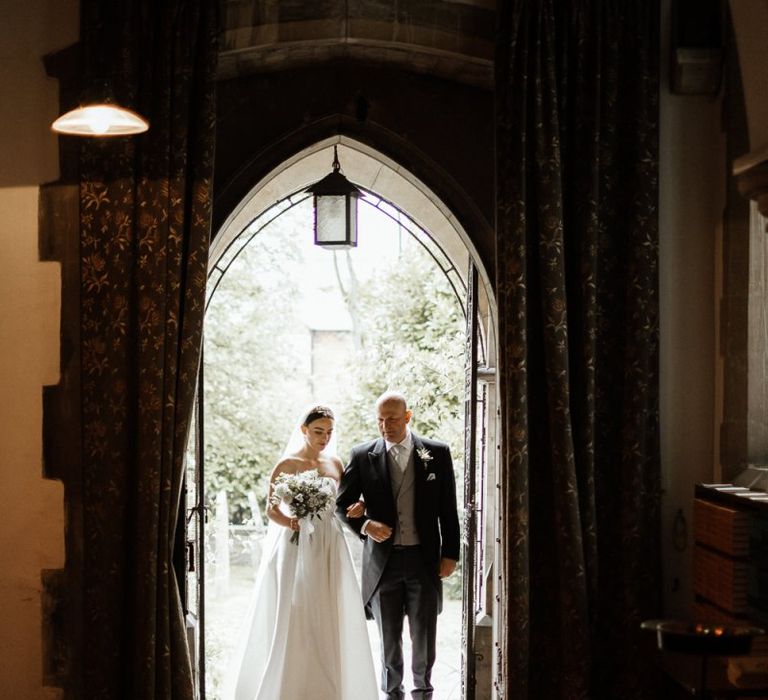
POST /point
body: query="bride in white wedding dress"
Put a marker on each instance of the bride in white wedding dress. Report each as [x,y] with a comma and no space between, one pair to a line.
[305,633]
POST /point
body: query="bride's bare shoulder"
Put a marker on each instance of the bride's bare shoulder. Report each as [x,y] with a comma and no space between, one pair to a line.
[287,465]
[335,467]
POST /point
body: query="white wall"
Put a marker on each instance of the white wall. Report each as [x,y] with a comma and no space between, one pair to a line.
[31,518]
[692,186]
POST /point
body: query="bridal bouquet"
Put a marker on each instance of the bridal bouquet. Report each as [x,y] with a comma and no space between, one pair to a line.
[306,493]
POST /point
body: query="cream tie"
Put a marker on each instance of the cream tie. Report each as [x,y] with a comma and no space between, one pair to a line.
[397,451]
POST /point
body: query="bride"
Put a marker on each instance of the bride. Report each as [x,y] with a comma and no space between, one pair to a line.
[305,635]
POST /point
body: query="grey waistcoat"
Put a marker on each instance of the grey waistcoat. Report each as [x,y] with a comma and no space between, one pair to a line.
[403,489]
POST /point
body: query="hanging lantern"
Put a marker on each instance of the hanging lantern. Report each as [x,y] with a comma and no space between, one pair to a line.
[335,200]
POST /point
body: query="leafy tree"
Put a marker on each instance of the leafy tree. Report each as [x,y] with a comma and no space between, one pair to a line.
[411,339]
[254,366]
[407,333]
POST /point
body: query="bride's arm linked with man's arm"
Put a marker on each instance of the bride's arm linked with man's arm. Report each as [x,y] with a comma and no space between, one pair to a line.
[351,508]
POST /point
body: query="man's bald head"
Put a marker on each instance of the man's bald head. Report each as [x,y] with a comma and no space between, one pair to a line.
[393,416]
[392,397]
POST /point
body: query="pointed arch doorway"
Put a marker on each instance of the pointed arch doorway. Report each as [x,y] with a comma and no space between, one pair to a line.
[399,195]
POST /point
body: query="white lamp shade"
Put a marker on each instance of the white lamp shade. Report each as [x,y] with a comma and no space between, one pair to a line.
[336,220]
[100,120]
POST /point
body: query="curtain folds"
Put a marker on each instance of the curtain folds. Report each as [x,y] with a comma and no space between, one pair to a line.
[577,243]
[145,206]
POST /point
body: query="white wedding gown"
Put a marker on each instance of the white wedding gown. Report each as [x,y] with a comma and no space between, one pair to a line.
[305,635]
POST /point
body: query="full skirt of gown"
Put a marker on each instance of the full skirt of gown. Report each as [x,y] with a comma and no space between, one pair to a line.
[306,635]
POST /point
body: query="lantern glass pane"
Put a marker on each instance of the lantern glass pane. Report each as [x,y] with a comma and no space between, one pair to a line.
[330,220]
[352,203]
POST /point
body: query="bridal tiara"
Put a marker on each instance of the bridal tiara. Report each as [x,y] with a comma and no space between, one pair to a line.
[318,412]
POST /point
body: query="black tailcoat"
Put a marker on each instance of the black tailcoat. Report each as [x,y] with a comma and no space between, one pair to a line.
[436,517]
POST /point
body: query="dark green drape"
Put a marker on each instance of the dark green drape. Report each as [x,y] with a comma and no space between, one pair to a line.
[145,206]
[577,245]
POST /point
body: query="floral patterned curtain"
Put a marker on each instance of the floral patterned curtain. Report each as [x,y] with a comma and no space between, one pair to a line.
[145,206]
[577,247]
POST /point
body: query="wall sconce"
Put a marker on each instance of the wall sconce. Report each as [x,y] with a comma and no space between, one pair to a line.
[335,200]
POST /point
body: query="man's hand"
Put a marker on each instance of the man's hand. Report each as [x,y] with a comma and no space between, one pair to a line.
[378,531]
[447,567]
[356,510]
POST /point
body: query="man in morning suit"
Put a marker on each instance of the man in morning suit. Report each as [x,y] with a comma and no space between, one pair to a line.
[411,538]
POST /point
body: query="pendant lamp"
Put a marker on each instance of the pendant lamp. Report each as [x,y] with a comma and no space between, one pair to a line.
[100,115]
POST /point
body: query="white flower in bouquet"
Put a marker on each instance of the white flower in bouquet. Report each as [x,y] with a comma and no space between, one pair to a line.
[307,495]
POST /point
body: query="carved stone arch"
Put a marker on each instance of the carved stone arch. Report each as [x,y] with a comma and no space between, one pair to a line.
[439,131]
[401,157]
[446,212]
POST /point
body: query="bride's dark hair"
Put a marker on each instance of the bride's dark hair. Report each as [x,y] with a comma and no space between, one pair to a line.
[318,412]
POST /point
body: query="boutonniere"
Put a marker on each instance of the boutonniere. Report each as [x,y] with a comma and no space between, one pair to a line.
[426,456]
